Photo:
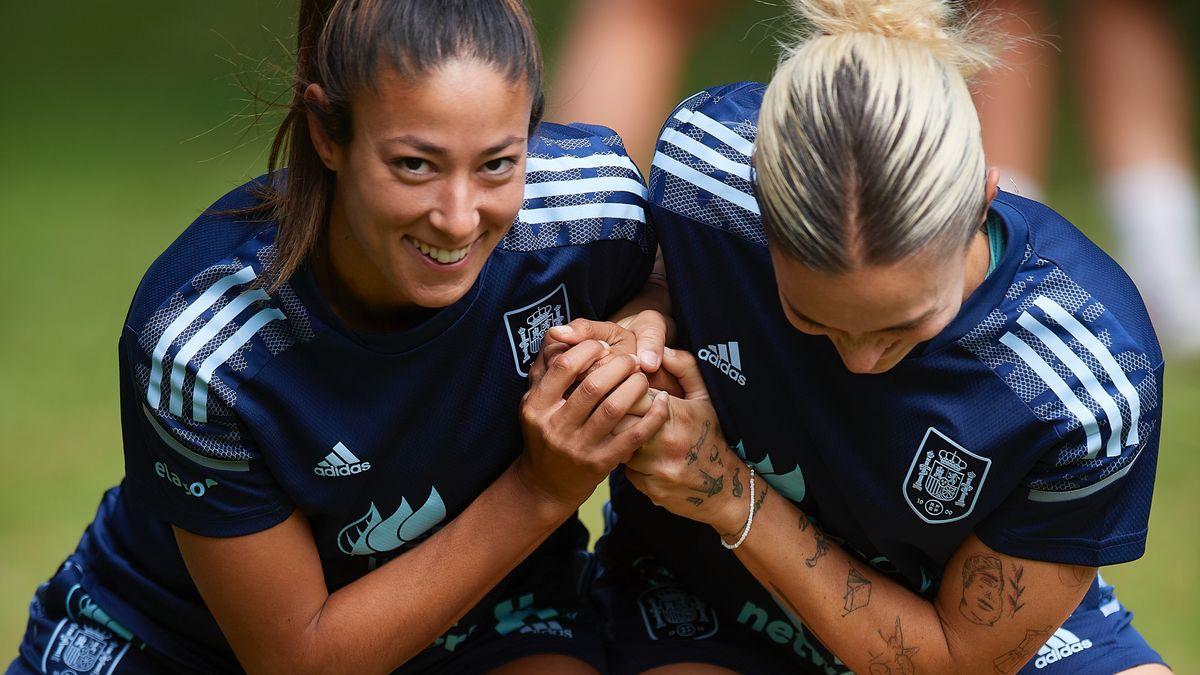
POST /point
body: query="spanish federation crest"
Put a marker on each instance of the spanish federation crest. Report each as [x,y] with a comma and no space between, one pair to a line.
[670,613]
[527,326]
[944,480]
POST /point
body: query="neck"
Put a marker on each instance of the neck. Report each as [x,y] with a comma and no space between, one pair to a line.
[351,284]
[979,258]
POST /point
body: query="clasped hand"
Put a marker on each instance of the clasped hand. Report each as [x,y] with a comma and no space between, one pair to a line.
[685,465]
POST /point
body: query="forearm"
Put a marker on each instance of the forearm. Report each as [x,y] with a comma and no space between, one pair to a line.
[388,616]
[655,295]
[869,621]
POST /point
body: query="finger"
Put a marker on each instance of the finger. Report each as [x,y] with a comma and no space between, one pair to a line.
[632,419]
[684,367]
[561,372]
[550,349]
[650,331]
[642,405]
[594,388]
[627,442]
[610,411]
[584,329]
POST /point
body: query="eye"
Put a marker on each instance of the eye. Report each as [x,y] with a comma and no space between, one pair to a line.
[499,165]
[414,165]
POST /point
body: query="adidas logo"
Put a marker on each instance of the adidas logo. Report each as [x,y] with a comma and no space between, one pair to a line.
[1062,644]
[340,462]
[727,357]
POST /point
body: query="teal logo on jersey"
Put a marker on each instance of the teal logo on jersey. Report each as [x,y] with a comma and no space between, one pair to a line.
[373,533]
[511,617]
[789,484]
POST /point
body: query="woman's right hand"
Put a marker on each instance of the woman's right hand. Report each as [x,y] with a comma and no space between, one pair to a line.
[569,444]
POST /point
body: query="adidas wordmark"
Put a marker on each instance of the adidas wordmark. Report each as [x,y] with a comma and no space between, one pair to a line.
[727,357]
[340,462]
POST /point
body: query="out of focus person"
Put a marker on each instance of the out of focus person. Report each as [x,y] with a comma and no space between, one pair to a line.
[637,47]
[1136,106]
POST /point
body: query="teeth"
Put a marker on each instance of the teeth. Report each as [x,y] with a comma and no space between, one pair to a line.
[443,256]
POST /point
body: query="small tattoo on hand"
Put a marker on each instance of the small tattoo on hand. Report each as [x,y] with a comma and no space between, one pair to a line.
[711,486]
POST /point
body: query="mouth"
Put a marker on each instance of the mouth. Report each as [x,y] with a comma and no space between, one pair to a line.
[439,256]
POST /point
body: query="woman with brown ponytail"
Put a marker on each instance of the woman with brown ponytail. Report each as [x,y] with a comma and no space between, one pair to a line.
[920,412]
[334,460]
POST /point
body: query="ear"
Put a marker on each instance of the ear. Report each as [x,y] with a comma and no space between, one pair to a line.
[329,151]
[993,181]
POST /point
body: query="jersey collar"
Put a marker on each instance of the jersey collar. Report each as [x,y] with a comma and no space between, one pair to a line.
[991,292]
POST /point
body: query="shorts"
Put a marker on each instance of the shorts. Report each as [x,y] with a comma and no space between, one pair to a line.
[538,610]
[650,619]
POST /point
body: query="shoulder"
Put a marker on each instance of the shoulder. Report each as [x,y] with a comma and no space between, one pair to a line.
[1071,339]
[203,321]
[580,188]
[701,170]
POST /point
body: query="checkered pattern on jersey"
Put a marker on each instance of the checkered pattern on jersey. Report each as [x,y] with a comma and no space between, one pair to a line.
[580,187]
[701,167]
[1067,356]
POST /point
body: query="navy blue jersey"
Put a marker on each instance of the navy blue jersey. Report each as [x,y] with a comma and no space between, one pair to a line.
[1031,420]
[240,406]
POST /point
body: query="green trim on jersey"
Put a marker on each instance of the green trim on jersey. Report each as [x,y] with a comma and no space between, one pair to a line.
[995,235]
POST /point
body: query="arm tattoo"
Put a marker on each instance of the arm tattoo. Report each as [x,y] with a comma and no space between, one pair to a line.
[1016,588]
[694,451]
[822,547]
[711,486]
[695,501]
[737,483]
[858,591]
[1013,659]
[983,590]
[896,658]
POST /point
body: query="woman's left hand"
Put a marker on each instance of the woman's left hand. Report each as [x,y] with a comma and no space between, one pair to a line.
[688,468]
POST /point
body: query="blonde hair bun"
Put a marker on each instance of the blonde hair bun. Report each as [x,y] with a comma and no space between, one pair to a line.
[964,40]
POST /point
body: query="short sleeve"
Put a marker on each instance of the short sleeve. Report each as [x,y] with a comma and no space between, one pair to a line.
[582,190]
[203,475]
[1086,501]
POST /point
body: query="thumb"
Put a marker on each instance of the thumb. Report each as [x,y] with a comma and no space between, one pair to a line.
[684,367]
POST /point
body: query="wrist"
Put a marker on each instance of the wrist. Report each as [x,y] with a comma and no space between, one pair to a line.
[732,513]
[545,503]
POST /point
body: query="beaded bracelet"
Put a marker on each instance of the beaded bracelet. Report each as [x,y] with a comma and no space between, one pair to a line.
[749,521]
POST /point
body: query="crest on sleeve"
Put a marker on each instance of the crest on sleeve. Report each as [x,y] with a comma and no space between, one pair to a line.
[527,326]
[944,480]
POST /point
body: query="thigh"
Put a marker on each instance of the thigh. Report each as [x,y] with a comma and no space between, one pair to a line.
[654,624]
[537,620]
[56,643]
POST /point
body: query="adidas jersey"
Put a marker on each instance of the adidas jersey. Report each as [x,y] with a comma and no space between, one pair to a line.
[240,406]
[1032,420]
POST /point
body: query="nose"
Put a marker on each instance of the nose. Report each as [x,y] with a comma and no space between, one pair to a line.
[457,213]
[861,356]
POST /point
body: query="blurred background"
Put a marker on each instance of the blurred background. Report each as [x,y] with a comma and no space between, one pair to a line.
[120,122]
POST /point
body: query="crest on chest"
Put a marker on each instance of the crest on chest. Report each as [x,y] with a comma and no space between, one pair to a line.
[944,479]
[526,327]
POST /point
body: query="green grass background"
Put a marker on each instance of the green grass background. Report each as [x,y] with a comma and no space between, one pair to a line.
[120,122]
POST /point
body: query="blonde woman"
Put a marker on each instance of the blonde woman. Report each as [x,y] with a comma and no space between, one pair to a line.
[921,412]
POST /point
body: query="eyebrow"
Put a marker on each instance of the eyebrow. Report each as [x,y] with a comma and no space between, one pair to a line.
[432,149]
[901,326]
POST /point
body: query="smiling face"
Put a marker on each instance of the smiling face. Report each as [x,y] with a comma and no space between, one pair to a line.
[875,315]
[431,180]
